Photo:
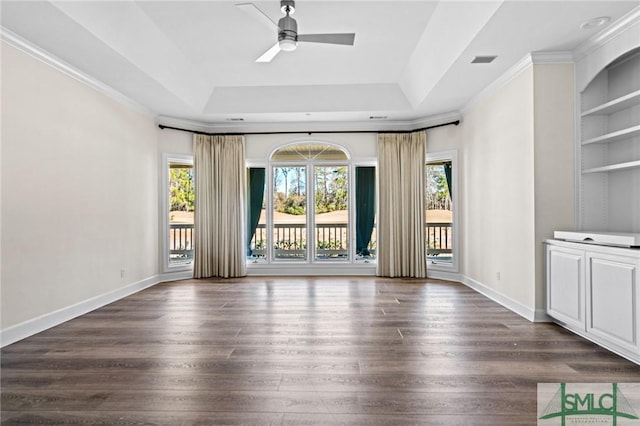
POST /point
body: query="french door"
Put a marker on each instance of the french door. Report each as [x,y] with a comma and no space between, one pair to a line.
[310,212]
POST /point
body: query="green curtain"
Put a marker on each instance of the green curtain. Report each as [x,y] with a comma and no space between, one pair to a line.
[447,175]
[365,207]
[255,199]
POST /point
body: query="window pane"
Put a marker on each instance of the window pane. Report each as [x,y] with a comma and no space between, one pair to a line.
[309,151]
[289,213]
[439,214]
[331,212]
[181,208]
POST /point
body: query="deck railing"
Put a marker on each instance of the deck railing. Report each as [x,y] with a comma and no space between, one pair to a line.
[439,238]
[331,240]
[180,242]
[291,240]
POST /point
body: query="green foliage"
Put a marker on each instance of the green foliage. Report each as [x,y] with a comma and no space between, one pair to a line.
[261,244]
[331,189]
[330,245]
[181,189]
[290,245]
[436,192]
[295,210]
[293,204]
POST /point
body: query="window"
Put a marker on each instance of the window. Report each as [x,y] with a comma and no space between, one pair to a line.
[331,217]
[440,220]
[179,199]
[299,207]
[289,212]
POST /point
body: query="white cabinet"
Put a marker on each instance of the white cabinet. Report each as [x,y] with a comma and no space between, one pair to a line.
[593,291]
[565,278]
[612,299]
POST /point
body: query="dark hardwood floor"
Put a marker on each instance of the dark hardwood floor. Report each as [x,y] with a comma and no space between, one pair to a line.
[297,351]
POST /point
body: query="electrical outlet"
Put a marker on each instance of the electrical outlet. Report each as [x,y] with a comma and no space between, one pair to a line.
[498,276]
[122,271]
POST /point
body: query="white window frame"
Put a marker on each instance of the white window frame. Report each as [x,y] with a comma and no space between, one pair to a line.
[167,159]
[451,155]
[309,166]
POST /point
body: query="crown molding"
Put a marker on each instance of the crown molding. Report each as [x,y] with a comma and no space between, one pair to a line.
[505,78]
[541,58]
[432,120]
[308,126]
[623,24]
[533,58]
[53,61]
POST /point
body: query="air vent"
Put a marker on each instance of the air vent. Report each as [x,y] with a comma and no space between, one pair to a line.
[377,117]
[483,59]
[235,119]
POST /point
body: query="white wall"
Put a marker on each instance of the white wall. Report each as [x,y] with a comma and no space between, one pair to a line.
[175,142]
[79,192]
[553,160]
[518,183]
[498,197]
[445,138]
[259,147]
[361,146]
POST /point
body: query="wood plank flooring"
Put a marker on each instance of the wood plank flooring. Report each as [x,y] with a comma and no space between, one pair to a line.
[297,351]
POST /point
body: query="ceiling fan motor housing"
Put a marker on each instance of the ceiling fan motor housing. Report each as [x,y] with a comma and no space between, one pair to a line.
[288,31]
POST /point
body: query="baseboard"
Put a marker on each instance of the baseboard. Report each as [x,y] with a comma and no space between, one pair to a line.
[443,275]
[633,357]
[52,319]
[506,301]
[176,276]
[541,316]
[537,315]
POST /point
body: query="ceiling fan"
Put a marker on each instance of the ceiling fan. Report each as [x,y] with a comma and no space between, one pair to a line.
[287,28]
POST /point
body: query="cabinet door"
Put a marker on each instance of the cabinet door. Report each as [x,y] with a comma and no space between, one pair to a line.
[612,299]
[565,286]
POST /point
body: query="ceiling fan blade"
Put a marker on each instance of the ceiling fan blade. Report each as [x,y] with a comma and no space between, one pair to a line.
[269,54]
[252,9]
[339,38]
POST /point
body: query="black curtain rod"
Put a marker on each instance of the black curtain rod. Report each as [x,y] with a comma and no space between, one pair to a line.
[162,126]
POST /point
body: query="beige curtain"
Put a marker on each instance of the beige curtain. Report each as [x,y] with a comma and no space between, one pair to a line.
[220,206]
[401,225]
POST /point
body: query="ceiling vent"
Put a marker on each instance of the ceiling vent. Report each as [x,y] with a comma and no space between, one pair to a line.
[483,59]
[235,119]
[377,117]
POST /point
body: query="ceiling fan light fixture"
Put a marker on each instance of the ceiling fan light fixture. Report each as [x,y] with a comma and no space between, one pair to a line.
[287,45]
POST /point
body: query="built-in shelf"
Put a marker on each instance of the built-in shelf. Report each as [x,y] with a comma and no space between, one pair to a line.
[608,166]
[614,167]
[615,136]
[615,105]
